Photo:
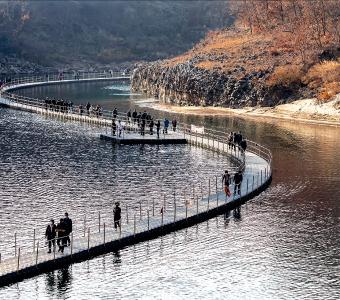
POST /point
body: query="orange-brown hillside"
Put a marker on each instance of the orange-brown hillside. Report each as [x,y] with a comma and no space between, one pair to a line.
[276,54]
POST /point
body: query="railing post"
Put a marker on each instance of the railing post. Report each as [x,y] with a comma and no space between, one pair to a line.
[88,239]
[253,183]
[197,206]
[153,207]
[71,243]
[209,195]
[247,185]
[162,217]
[127,214]
[18,262]
[15,244]
[186,209]
[148,220]
[174,206]
[37,253]
[201,190]
[33,240]
[55,246]
[164,203]
[104,234]
[99,222]
[216,192]
[261,177]
[140,210]
[84,225]
[134,225]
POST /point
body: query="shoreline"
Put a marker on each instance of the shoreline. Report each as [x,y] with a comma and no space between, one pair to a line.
[305,110]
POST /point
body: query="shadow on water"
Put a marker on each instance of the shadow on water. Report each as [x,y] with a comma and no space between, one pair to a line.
[58,282]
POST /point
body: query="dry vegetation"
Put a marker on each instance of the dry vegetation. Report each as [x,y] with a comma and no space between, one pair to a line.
[295,43]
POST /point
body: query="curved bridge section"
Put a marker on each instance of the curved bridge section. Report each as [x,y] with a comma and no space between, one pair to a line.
[172,212]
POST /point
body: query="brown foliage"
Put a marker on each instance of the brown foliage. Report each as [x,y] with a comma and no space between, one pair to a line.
[309,24]
[325,77]
[286,75]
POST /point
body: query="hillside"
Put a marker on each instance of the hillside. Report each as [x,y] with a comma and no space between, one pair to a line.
[57,33]
[263,60]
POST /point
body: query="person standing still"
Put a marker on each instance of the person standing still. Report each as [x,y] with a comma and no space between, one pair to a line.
[117,215]
[68,229]
[50,235]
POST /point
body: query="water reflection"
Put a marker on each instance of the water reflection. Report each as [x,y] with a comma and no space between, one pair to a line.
[58,282]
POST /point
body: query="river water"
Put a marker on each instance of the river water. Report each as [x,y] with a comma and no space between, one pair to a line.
[285,245]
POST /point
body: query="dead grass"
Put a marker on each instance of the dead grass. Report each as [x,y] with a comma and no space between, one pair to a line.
[325,77]
[241,53]
[286,75]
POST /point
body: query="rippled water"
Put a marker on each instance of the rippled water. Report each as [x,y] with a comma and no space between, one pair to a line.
[284,246]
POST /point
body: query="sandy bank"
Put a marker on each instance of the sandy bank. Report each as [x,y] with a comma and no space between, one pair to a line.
[306,110]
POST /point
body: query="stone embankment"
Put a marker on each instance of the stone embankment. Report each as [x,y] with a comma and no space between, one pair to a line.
[185,84]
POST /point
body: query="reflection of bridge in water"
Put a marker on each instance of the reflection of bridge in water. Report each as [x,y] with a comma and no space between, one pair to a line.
[191,206]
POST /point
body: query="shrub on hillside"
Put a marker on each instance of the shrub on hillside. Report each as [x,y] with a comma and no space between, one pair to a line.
[286,76]
[324,76]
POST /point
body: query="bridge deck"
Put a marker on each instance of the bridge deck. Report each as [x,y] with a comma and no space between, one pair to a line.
[257,175]
[252,180]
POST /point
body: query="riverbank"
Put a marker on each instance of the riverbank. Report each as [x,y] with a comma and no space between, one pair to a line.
[305,110]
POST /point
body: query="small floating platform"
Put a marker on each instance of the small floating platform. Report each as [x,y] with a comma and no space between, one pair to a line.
[137,139]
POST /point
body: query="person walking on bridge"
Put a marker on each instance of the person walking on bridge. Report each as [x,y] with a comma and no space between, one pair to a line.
[68,229]
[60,229]
[238,178]
[117,215]
[50,234]
[166,126]
[158,127]
[226,182]
[134,116]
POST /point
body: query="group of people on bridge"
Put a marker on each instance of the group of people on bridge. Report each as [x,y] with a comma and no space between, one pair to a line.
[236,139]
[59,105]
[91,110]
[141,121]
[227,180]
[59,234]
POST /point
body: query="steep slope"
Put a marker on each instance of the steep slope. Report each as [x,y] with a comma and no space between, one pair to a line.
[72,32]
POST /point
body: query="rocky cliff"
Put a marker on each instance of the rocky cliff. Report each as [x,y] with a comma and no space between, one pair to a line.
[186,84]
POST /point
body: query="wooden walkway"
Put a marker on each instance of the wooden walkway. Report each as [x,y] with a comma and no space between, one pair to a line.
[256,166]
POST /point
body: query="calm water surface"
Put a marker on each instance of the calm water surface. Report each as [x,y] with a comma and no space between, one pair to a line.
[285,245]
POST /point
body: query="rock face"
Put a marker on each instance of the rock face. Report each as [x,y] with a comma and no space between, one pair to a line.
[185,84]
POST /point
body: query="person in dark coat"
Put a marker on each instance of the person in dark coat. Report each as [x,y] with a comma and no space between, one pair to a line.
[174,124]
[50,234]
[60,229]
[226,181]
[115,113]
[117,215]
[151,124]
[134,116]
[158,127]
[114,127]
[243,145]
[238,178]
[68,229]
[88,106]
[142,127]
